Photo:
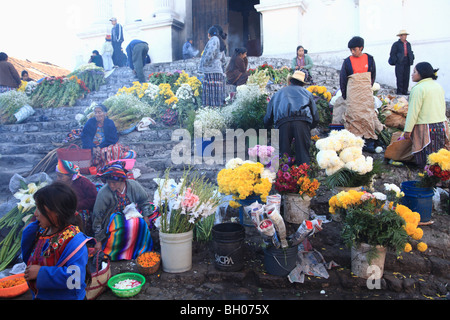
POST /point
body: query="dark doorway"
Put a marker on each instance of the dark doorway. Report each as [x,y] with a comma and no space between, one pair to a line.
[244,26]
[238,18]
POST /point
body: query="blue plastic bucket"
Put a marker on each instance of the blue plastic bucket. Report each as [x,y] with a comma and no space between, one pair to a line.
[418,199]
[245,217]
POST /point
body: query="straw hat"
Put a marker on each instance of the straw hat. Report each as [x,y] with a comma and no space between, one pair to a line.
[401,32]
[298,75]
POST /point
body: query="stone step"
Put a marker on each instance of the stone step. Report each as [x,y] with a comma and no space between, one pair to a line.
[34,137]
[7,148]
[50,126]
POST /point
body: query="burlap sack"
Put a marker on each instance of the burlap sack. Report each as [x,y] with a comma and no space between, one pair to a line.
[399,150]
[339,108]
[360,117]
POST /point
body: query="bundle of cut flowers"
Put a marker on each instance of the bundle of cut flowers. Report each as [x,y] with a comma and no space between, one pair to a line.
[91,75]
[264,153]
[242,179]
[184,203]
[322,97]
[295,179]
[126,110]
[436,170]
[15,219]
[340,154]
[370,218]
[10,103]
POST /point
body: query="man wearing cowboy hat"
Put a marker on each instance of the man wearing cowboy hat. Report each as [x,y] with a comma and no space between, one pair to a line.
[402,57]
[293,112]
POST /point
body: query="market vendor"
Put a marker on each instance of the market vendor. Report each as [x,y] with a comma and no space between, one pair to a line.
[426,123]
[119,237]
[100,135]
[357,77]
[86,191]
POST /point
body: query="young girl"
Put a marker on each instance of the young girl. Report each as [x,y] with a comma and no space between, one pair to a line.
[54,248]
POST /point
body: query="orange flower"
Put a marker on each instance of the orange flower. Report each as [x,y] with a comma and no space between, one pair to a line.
[148,259]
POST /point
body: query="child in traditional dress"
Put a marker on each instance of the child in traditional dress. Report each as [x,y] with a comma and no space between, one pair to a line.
[54,248]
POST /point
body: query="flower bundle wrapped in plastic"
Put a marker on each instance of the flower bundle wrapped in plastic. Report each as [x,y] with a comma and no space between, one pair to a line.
[184,203]
[243,179]
[340,154]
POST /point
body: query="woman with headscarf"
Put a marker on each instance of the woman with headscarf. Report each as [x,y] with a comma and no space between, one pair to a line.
[122,215]
[100,135]
[237,73]
[211,65]
[69,174]
[426,122]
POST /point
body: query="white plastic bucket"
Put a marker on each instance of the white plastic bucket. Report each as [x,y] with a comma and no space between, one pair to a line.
[176,251]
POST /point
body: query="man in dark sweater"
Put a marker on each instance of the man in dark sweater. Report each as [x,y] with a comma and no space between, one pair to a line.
[402,57]
[137,52]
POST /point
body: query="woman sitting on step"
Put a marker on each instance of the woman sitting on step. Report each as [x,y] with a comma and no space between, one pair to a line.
[122,215]
[100,135]
[86,191]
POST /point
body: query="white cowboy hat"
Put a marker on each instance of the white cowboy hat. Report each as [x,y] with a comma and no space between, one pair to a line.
[401,32]
[298,75]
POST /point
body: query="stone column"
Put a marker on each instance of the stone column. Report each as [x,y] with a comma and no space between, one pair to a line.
[103,12]
[277,18]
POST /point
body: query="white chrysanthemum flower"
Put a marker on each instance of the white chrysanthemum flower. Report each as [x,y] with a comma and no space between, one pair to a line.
[350,154]
[380,196]
[329,143]
[234,163]
[328,158]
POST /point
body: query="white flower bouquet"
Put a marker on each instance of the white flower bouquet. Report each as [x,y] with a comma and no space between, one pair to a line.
[209,118]
[340,155]
[16,219]
[184,203]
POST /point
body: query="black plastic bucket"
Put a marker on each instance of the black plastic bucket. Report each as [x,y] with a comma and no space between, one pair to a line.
[228,246]
[280,262]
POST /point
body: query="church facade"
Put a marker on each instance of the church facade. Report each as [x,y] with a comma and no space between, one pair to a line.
[274,28]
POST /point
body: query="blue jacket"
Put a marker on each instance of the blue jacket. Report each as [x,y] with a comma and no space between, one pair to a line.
[90,128]
[129,50]
[52,281]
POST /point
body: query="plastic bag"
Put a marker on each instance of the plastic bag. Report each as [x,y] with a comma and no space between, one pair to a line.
[16,181]
[131,212]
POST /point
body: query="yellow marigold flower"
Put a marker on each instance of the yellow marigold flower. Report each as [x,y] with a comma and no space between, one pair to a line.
[408,247]
[422,246]
[410,228]
[418,234]
[234,204]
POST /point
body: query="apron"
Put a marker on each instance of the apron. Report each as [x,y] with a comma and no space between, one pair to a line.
[360,117]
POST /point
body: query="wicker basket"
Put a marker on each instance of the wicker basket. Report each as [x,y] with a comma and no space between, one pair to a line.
[148,270]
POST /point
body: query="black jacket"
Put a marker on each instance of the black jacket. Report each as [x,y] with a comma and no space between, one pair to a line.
[292,103]
[347,70]
[398,53]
